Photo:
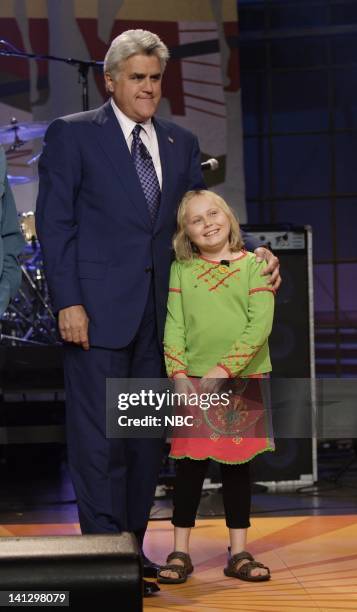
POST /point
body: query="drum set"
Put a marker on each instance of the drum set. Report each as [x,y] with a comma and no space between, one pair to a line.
[29,319]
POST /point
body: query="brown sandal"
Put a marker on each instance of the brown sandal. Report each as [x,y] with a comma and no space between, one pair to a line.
[182,570]
[244,572]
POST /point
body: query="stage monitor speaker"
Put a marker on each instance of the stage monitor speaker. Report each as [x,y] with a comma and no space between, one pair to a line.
[99,572]
[291,341]
[291,345]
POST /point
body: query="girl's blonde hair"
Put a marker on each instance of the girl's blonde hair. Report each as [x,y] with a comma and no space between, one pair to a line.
[184,248]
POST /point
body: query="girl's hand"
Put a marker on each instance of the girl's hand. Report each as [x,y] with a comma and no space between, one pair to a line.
[208,382]
[183,384]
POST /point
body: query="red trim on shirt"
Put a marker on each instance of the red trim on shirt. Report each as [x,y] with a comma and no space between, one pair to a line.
[261,289]
[174,290]
[214,261]
[174,358]
[262,375]
[178,372]
[208,271]
[224,278]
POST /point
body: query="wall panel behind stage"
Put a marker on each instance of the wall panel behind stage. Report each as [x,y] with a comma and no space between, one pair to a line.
[201,87]
[299,86]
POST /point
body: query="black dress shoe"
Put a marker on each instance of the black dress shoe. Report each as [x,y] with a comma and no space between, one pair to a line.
[150,568]
[149,588]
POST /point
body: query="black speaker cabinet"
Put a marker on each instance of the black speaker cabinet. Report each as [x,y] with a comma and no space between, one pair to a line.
[291,348]
[99,572]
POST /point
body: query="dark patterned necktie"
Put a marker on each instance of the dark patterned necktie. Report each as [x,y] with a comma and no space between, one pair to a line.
[146,172]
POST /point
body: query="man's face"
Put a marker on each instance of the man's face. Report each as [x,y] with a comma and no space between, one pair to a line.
[137,88]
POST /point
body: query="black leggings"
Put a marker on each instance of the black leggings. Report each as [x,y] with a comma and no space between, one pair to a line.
[190,474]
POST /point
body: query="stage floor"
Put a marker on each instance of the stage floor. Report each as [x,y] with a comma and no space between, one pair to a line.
[308,537]
[313,560]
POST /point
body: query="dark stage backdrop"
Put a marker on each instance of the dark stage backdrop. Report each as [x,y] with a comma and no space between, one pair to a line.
[299,95]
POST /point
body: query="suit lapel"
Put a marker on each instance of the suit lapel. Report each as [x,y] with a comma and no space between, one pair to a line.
[112,141]
[167,150]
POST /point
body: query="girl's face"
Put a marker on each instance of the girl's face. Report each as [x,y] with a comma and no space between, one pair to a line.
[207,226]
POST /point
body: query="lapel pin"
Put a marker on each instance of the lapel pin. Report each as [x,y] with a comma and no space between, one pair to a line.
[171,139]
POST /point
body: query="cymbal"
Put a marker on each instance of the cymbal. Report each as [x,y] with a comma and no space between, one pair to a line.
[15,179]
[22,131]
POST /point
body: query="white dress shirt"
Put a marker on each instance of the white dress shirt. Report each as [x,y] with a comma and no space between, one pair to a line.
[147,135]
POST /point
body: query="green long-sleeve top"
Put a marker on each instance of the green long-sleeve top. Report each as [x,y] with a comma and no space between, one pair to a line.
[218,315]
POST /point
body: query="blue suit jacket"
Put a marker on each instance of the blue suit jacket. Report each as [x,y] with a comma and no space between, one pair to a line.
[93,222]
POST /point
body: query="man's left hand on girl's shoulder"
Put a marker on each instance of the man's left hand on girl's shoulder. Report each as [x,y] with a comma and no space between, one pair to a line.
[272,268]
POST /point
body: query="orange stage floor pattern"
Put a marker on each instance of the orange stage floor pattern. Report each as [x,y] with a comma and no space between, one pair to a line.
[313,560]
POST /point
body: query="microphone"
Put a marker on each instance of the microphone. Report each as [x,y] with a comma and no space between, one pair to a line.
[225,262]
[210,164]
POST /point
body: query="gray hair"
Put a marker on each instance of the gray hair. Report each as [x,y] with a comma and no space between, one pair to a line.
[134,42]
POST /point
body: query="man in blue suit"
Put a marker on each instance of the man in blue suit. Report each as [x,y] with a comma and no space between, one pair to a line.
[105,221]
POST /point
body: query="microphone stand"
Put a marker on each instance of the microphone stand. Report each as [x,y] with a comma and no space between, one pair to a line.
[82,66]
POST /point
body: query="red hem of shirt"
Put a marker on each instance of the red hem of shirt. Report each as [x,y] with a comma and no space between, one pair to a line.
[178,372]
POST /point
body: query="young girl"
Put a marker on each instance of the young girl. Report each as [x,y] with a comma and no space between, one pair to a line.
[220,313]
